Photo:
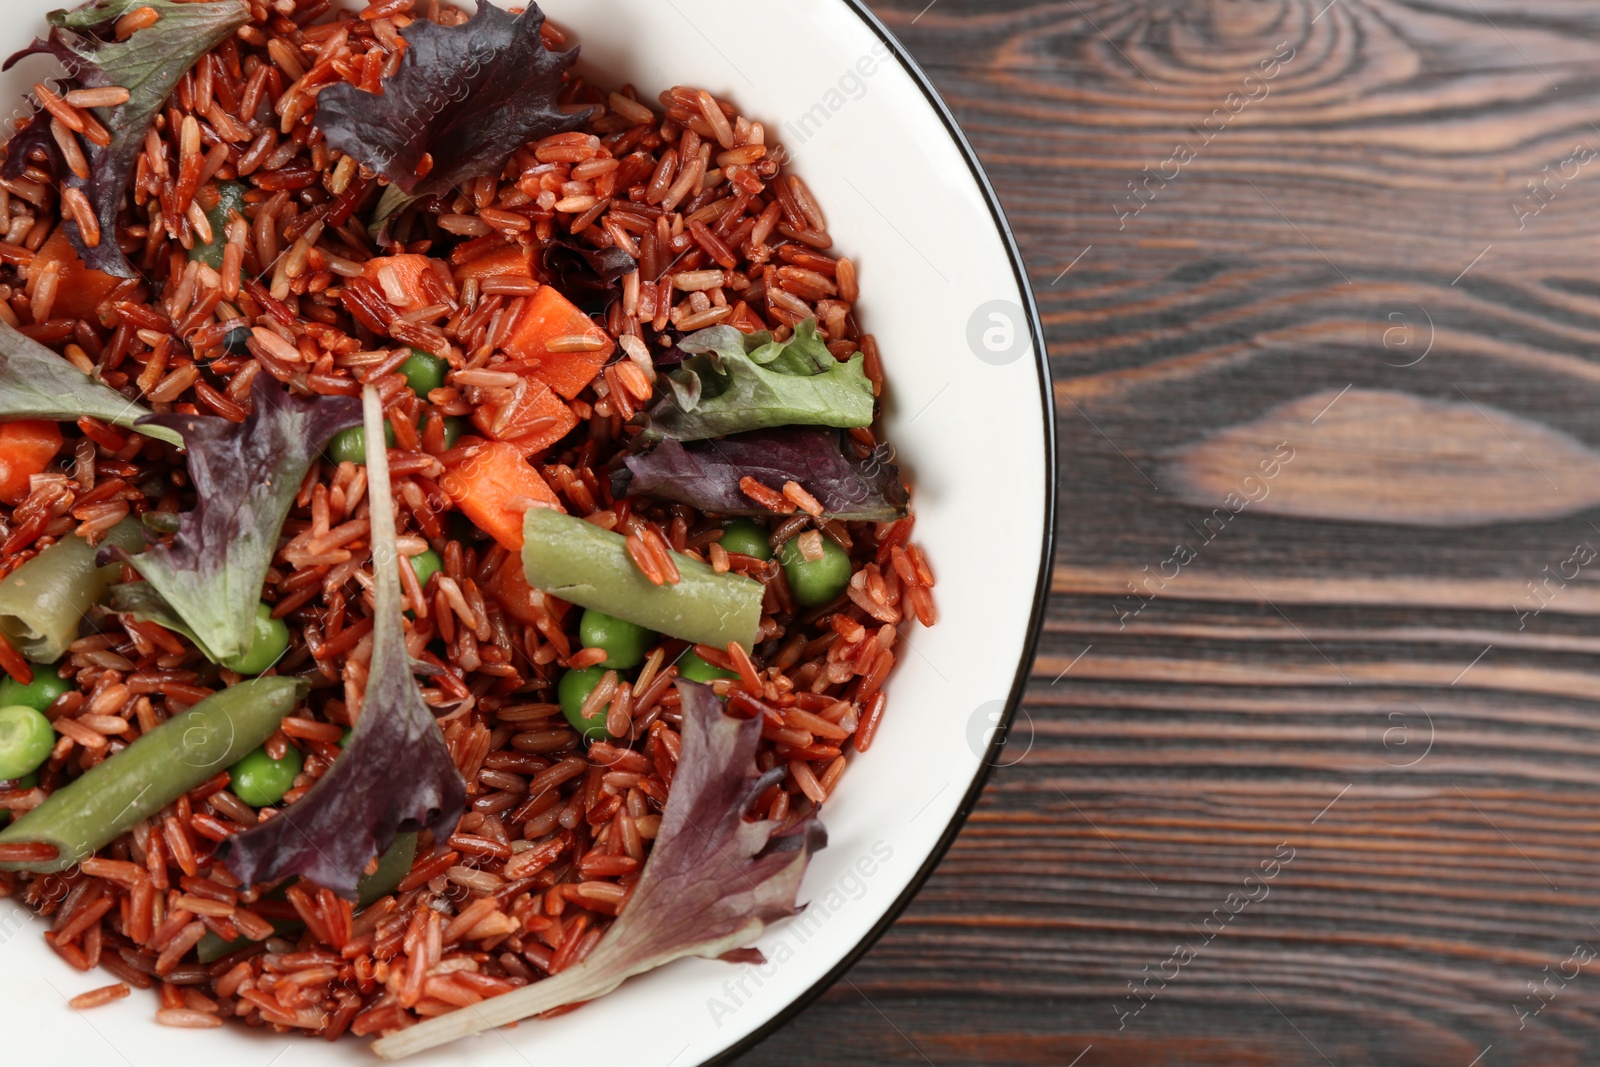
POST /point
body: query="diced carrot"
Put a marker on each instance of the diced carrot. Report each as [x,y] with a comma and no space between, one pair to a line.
[79,289]
[404,281]
[540,407]
[512,261]
[551,317]
[494,486]
[26,449]
[510,587]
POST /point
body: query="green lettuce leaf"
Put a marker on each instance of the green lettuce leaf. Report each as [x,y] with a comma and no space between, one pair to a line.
[737,382]
[35,383]
[149,65]
[246,476]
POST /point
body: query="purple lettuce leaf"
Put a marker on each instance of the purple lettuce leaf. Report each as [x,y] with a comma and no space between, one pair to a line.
[246,477]
[396,775]
[706,474]
[468,95]
[586,275]
[710,887]
[33,142]
[149,64]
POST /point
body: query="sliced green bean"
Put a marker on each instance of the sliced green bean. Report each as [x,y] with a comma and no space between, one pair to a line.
[230,197]
[393,866]
[581,563]
[43,601]
[175,757]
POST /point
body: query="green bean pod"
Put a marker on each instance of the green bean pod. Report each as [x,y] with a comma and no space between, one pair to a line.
[175,757]
[43,601]
[581,563]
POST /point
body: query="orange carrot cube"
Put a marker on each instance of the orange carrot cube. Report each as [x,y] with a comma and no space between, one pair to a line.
[566,346]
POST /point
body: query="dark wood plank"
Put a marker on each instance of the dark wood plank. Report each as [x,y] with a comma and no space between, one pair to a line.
[1404,704]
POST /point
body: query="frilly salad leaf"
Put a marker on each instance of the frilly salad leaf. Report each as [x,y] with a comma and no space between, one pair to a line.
[396,775]
[706,474]
[736,382]
[586,275]
[467,95]
[35,383]
[33,141]
[246,476]
[149,64]
[710,887]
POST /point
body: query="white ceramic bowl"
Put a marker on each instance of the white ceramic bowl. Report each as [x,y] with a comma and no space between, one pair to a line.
[969,410]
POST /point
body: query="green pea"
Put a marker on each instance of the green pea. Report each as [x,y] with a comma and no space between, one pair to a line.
[267,647]
[695,669]
[747,539]
[454,427]
[350,446]
[424,373]
[46,687]
[625,642]
[259,780]
[572,691]
[344,738]
[27,781]
[815,583]
[426,566]
[26,739]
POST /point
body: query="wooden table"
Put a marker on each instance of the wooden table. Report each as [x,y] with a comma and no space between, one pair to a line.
[1313,725]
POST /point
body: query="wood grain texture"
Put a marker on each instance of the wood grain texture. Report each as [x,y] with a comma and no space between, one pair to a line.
[1276,200]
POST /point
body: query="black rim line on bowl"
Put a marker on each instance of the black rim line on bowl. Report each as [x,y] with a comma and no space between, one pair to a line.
[1046,556]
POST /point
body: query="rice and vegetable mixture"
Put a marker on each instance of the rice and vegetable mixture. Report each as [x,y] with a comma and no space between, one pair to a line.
[366,371]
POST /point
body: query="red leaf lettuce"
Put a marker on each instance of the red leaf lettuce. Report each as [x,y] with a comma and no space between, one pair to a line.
[710,887]
[706,474]
[246,477]
[149,64]
[396,775]
[586,275]
[468,95]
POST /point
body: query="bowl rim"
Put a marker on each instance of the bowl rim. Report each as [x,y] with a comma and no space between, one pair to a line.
[1047,546]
